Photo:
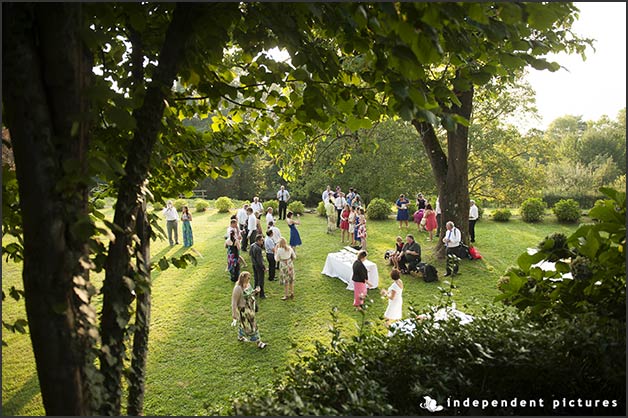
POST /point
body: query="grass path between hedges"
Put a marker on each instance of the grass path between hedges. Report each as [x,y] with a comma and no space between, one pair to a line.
[195,361]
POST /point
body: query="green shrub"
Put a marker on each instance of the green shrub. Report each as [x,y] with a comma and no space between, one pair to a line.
[584,200]
[378,209]
[532,209]
[320,209]
[179,203]
[500,355]
[411,208]
[158,205]
[223,204]
[99,203]
[480,211]
[201,205]
[567,211]
[297,207]
[594,255]
[501,215]
[272,204]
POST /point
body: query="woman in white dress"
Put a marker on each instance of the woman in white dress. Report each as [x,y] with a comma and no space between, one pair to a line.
[395,300]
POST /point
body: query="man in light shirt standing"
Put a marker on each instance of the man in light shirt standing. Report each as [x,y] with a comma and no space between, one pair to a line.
[340,203]
[473,217]
[283,196]
[452,242]
[172,220]
[243,217]
[251,225]
[257,206]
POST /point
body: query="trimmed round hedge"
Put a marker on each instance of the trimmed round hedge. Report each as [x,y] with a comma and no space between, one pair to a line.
[223,204]
[297,207]
[567,210]
[533,209]
[501,215]
[378,209]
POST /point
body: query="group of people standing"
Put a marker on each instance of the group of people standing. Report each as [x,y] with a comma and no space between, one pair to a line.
[346,212]
[426,217]
[245,229]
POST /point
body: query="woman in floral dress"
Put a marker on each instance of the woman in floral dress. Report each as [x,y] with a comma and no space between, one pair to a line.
[243,306]
[285,255]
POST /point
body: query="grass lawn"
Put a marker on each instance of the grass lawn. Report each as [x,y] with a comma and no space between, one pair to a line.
[195,361]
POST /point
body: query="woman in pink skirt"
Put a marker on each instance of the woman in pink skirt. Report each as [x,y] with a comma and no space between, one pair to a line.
[360,280]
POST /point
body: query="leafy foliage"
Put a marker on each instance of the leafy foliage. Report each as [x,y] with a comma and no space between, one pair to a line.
[224,204]
[179,203]
[575,274]
[320,209]
[201,205]
[378,209]
[297,207]
[532,209]
[99,203]
[273,203]
[567,210]
[501,215]
[499,355]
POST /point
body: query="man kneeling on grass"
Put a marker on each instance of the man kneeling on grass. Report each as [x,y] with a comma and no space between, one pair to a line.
[410,255]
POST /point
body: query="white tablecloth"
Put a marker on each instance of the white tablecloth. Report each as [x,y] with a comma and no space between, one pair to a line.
[340,265]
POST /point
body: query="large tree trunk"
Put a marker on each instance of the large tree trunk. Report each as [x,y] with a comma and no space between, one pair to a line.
[45,70]
[135,404]
[451,170]
[120,271]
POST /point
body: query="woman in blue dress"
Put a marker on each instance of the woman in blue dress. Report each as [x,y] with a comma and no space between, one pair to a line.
[402,210]
[295,238]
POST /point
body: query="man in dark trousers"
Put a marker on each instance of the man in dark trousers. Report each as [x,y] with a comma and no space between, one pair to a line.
[410,255]
[269,246]
[256,252]
[283,196]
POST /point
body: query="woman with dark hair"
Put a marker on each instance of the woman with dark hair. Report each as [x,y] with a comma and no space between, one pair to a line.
[243,307]
[360,280]
[186,217]
[233,255]
[295,238]
[402,210]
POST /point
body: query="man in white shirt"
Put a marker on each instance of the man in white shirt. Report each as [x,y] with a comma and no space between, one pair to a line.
[276,232]
[257,205]
[251,225]
[283,196]
[172,218]
[243,217]
[473,217]
[269,247]
[326,194]
[340,203]
[452,242]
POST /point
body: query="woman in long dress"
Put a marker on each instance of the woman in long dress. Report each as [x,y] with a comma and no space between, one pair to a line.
[344,222]
[395,299]
[285,256]
[295,238]
[186,217]
[243,310]
[430,221]
[233,255]
[351,220]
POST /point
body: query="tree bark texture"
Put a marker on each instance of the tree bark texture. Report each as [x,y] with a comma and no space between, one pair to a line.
[451,170]
[137,379]
[45,70]
[119,268]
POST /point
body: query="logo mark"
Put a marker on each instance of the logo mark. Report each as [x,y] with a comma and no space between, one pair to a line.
[431,404]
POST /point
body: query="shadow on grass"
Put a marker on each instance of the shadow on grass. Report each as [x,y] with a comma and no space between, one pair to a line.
[21,397]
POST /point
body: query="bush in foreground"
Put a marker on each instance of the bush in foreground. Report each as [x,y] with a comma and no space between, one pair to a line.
[223,204]
[500,355]
[179,203]
[320,209]
[272,204]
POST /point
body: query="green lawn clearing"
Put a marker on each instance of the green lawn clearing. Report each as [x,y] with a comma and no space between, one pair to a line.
[195,361]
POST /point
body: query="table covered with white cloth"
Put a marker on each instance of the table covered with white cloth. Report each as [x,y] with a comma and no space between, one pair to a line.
[340,265]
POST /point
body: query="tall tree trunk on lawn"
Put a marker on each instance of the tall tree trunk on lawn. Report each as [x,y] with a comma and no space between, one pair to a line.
[120,272]
[451,170]
[45,71]
[137,378]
